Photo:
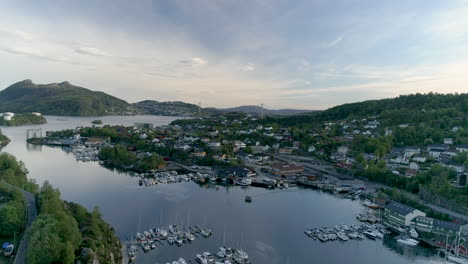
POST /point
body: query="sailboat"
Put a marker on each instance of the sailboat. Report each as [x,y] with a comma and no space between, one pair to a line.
[454,253]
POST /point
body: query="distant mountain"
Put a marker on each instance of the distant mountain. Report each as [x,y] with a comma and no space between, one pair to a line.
[176,108]
[59,99]
[185,109]
[257,110]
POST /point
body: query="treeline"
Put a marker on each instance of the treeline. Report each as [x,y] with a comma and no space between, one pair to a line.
[15,173]
[12,212]
[120,156]
[23,119]
[67,232]
[436,180]
[401,109]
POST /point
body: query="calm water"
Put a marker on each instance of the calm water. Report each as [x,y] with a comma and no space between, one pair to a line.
[270,229]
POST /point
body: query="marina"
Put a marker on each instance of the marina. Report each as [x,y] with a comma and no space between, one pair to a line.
[343,232]
[270,229]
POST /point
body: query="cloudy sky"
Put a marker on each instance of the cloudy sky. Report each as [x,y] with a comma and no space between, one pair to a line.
[309,54]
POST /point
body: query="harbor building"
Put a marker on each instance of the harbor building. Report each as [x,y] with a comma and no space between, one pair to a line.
[399,216]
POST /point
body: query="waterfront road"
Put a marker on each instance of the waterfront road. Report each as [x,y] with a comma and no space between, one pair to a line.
[31,209]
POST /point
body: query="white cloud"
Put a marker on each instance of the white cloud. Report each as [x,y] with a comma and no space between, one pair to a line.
[92,51]
[16,33]
[248,67]
[335,41]
[197,61]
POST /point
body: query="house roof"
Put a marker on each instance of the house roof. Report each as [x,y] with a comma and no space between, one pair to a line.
[447,225]
[399,208]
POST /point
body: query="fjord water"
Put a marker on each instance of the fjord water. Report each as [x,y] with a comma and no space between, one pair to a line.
[270,229]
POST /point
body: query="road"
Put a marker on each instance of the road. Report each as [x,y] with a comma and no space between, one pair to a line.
[31,209]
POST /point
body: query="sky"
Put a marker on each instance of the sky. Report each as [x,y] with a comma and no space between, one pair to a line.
[302,54]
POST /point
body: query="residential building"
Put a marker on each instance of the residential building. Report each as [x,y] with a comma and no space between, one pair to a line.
[343,150]
[448,141]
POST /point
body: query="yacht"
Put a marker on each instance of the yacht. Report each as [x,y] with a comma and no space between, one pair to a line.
[161,232]
[370,234]
[244,182]
[206,232]
[181,261]
[226,251]
[131,253]
[147,234]
[242,254]
[179,240]
[407,241]
[208,256]
[189,236]
[140,236]
[173,229]
[456,259]
[201,259]
[342,236]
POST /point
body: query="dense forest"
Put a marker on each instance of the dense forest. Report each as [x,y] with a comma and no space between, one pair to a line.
[65,232]
[404,108]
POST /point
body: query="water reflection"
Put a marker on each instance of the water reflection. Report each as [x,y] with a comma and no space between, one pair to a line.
[32,147]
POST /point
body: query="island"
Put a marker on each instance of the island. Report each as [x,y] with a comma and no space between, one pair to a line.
[97,122]
[11,119]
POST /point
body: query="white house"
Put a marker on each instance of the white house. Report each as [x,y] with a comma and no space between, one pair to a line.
[448,141]
[239,144]
[36,113]
[311,149]
[8,116]
[414,166]
[343,150]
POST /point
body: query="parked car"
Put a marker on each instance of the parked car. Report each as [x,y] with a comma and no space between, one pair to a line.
[9,250]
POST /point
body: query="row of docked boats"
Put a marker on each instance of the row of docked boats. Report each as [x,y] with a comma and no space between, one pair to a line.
[225,255]
[367,218]
[344,232]
[175,235]
[148,179]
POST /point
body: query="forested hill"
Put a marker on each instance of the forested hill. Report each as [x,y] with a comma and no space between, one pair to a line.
[59,99]
[403,107]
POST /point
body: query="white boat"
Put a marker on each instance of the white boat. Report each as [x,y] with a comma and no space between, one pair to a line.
[208,256]
[179,240]
[226,251]
[378,234]
[370,234]
[147,234]
[161,232]
[407,241]
[140,236]
[131,253]
[342,236]
[173,229]
[201,259]
[244,182]
[189,236]
[242,254]
[458,260]
[206,232]
[181,261]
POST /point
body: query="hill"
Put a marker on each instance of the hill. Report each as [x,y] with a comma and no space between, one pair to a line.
[402,109]
[23,119]
[257,110]
[176,108]
[59,99]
